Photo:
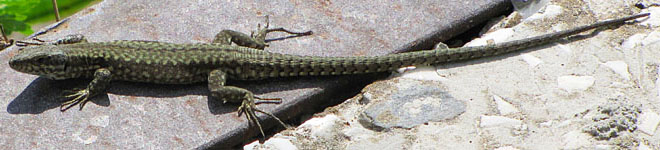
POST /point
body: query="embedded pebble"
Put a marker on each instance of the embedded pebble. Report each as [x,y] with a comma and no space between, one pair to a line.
[533,61]
[619,67]
[405,69]
[499,121]
[318,128]
[575,83]
[575,140]
[504,107]
[275,143]
[497,36]
[653,20]
[652,38]
[648,121]
[546,124]
[321,127]
[550,12]
[528,8]
[633,41]
[564,50]
[423,73]
[357,133]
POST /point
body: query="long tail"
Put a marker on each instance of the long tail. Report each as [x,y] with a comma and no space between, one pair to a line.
[395,61]
[464,53]
[289,65]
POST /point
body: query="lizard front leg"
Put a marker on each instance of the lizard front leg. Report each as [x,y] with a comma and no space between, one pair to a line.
[99,84]
[216,83]
[69,39]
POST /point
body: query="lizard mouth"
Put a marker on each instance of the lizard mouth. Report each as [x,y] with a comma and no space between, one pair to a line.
[18,64]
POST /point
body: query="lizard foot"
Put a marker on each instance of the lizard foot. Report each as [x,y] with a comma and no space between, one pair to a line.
[248,106]
[69,39]
[81,97]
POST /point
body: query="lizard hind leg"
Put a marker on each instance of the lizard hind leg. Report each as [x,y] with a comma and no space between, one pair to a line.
[248,106]
[258,41]
[254,40]
[216,84]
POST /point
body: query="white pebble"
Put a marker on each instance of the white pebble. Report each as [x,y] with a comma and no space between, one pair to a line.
[533,61]
[619,67]
[575,83]
[648,121]
[275,143]
[358,133]
[498,36]
[564,50]
[321,127]
[551,11]
[405,69]
[424,73]
[653,20]
[652,38]
[633,41]
[504,107]
[575,140]
[546,124]
[282,144]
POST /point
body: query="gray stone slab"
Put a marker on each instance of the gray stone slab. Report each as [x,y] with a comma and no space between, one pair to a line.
[407,105]
[139,116]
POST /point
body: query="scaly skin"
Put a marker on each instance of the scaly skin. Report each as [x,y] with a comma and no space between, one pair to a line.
[168,63]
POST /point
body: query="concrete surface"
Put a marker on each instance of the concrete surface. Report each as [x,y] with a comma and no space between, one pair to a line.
[148,116]
[600,92]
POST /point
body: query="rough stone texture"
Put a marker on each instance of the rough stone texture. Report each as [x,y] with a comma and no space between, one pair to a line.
[148,116]
[407,105]
[549,117]
[613,119]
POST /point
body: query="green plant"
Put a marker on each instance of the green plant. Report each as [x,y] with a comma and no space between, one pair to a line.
[19,15]
[14,13]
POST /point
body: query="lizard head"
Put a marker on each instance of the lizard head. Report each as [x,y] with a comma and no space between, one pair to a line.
[46,61]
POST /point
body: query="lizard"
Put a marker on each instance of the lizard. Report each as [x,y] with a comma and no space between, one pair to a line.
[231,56]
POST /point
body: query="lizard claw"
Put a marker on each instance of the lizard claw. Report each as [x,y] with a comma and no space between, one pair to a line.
[248,106]
[71,92]
[81,98]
